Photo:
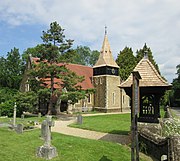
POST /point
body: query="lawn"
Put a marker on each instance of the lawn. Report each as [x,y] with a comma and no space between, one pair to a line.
[114,124]
[22,147]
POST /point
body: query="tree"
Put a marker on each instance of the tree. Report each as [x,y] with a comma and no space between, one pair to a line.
[34,51]
[140,54]
[94,57]
[54,50]
[126,62]
[176,87]
[54,46]
[73,91]
[3,73]
[12,69]
[85,56]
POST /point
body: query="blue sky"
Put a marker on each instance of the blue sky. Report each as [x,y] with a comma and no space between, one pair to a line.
[130,23]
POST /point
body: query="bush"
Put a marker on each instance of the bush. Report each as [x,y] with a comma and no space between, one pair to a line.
[6,108]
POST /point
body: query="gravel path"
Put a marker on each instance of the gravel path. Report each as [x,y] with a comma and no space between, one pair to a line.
[61,126]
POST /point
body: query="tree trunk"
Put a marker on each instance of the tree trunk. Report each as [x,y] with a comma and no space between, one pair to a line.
[50,106]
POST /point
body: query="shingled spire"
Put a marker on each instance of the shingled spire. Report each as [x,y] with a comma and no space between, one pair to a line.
[106,58]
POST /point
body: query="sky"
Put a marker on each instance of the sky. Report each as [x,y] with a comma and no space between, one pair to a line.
[130,23]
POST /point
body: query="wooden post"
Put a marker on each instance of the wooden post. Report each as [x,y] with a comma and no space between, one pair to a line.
[134,117]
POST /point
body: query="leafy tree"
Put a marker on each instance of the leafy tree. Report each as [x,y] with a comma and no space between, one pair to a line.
[140,54]
[94,57]
[73,91]
[69,57]
[12,69]
[7,101]
[34,51]
[176,87]
[85,56]
[54,46]
[3,73]
[54,49]
[26,101]
[126,62]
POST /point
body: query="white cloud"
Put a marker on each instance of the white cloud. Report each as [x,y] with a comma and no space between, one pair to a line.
[130,23]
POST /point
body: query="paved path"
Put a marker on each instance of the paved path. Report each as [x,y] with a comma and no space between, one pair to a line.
[177,111]
[61,126]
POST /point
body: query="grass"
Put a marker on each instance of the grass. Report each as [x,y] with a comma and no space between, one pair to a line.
[20,147]
[114,124]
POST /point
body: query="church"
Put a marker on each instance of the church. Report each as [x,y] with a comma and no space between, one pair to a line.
[103,77]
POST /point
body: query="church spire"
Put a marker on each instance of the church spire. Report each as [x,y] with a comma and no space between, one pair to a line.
[106,57]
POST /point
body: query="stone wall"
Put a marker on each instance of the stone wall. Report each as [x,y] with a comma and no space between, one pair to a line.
[154,144]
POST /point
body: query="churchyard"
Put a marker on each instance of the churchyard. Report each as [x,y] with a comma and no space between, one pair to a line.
[23,146]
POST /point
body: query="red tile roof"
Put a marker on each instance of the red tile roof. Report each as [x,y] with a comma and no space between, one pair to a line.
[80,70]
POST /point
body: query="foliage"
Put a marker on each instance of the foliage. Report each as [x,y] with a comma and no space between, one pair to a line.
[26,101]
[176,87]
[34,51]
[72,90]
[115,124]
[54,50]
[54,46]
[140,54]
[171,126]
[6,108]
[126,61]
[166,98]
[85,56]
[11,70]
[7,101]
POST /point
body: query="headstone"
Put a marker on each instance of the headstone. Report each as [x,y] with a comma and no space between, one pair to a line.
[79,119]
[39,115]
[19,128]
[47,151]
[22,116]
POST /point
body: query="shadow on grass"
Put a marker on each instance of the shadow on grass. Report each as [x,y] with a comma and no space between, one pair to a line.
[122,139]
[120,132]
[104,158]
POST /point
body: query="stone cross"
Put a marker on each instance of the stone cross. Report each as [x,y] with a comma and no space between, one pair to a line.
[48,125]
[47,151]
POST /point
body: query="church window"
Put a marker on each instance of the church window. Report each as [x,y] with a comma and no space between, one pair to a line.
[89,98]
[96,81]
[100,80]
[113,98]
[27,89]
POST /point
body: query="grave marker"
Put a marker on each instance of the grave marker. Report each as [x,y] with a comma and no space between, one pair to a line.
[19,128]
[47,151]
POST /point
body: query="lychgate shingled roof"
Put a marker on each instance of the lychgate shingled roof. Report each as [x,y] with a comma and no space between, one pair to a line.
[105,58]
[150,76]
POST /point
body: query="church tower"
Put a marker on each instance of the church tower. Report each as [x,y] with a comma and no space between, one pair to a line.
[106,80]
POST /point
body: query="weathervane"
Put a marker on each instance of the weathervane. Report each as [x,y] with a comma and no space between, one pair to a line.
[105,30]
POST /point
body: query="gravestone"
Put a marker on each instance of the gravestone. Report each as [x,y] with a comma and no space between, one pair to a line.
[39,115]
[22,116]
[79,119]
[19,128]
[47,151]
